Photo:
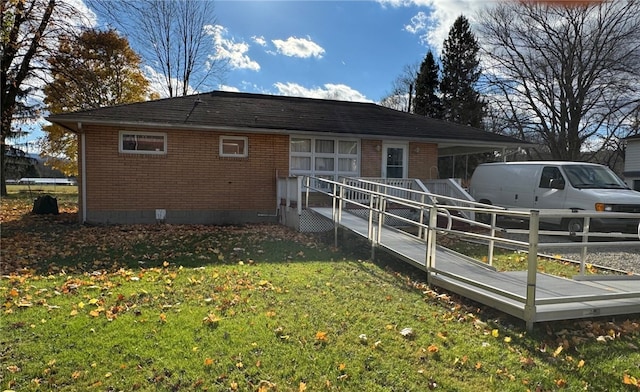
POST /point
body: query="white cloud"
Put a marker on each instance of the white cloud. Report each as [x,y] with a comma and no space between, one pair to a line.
[338,92]
[228,49]
[224,87]
[158,83]
[298,47]
[259,40]
[82,15]
[432,25]
[419,23]
[396,3]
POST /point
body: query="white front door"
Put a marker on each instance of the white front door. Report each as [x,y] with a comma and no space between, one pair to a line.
[394,160]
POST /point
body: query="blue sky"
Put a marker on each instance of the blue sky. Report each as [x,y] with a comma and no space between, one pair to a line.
[347,50]
[351,50]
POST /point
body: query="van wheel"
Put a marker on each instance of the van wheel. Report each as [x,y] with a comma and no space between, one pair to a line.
[574,226]
[484,218]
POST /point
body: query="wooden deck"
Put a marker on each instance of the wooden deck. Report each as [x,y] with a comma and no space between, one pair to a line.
[556,298]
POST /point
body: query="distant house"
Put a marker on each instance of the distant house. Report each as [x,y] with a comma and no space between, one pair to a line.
[214,158]
[632,162]
[46,181]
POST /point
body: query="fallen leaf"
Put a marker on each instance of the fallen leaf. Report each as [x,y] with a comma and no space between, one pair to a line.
[321,336]
[561,383]
[630,380]
[407,333]
[558,351]
[13,369]
[211,320]
[527,362]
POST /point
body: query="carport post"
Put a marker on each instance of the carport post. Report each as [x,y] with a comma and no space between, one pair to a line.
[430,260]
[336,219]
[532,270]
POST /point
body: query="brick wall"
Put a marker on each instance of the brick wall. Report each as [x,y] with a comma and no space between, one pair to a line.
[423,161]
[371,159]
[191,176]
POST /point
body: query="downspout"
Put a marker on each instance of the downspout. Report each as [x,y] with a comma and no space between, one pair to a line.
[83,174]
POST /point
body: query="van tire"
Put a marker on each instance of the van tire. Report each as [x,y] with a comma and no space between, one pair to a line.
[575,226]
[484,218]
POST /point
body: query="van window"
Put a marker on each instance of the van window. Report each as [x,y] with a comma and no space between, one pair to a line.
[583,176]
[549,173]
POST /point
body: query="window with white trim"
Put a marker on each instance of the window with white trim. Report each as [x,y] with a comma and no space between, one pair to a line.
[134,142]
[329,158]
[234,146]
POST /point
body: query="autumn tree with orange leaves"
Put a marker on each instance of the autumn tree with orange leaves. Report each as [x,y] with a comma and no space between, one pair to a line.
[92,70]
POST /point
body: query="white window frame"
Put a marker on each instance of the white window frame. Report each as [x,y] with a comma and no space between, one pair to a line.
[141,133]
[334,174]
[243,154]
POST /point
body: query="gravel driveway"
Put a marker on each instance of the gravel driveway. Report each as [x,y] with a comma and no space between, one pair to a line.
[619,257]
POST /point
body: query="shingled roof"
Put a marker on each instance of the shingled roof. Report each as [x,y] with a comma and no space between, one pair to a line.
[277,114]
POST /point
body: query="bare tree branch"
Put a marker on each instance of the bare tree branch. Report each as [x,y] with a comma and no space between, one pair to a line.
[567,76]
[172,39]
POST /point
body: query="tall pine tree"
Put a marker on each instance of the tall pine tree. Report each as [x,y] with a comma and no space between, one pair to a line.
[460,73]
[427,101]
[461,103]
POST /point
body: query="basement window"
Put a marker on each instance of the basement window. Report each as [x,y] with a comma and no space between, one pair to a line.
[234,146]
[134,142]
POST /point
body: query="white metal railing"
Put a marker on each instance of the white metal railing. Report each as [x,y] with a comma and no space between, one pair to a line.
[380,200]
[452,188]
[400,187]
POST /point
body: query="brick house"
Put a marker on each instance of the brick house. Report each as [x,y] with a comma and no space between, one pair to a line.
[213,158]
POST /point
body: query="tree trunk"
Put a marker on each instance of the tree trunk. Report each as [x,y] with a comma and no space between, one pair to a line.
[3,178]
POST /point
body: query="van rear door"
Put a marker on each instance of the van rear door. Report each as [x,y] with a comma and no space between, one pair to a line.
[548,193]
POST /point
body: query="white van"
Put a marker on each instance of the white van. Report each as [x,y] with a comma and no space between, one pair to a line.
[549,184]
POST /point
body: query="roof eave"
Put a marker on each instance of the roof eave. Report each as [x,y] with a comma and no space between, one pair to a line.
[75,123]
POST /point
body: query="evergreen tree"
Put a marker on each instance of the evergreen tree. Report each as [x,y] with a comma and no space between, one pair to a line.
[427,102]
[460,73]
[460,101]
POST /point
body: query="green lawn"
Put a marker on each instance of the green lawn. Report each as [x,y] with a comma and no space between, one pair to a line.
[263,308]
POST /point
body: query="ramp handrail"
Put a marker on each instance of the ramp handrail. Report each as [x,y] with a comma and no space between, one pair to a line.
[375,197]
[452,188]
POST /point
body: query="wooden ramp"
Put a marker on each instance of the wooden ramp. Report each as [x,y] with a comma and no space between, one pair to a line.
[555,298]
